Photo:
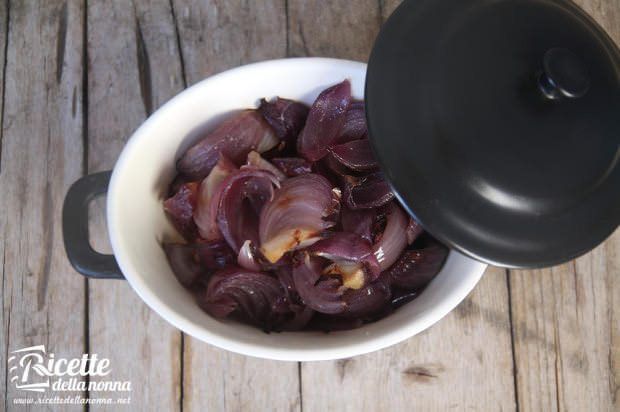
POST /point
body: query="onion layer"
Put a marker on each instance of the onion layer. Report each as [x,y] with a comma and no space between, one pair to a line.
[391,243]
[416,268]
[241,200]
[255,296]
[356,155]
[303,207]
[321,295]
[286,117]
[205,214]
[325,120]
[234,138]
[354,126]
[180,209]
[366,192]
[292,166]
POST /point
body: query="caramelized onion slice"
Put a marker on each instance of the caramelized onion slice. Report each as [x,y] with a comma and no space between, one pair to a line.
[234,138]
[286,117]
[325,120]
[292,166]
[256,160]
[356,155]
[366,192]
[241,200]
[416,268]
[205,215]
[352,256]
[354,126]
[321,295]
[255,296]
[302,208]
[391,243]
[180,209]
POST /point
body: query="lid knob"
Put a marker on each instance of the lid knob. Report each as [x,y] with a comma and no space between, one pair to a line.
[564,75]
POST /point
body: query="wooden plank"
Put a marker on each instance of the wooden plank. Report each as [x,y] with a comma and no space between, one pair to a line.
[220,34]
[42,297]
[215,36]
[462,363]
[333,29]
[133,67]
[566,319]
[567,333]
[448,366]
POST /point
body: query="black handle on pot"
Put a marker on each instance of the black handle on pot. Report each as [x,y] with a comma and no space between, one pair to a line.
[82,256]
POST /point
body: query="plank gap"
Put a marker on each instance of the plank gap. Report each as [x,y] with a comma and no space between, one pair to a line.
[178,40]
[512,342]
[5,55]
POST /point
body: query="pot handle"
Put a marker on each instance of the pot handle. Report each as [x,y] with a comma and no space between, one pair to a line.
[82,256]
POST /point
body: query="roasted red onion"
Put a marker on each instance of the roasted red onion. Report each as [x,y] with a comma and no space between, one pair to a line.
[290,224]
[286,117]
[391,243]
[255,159]
[303,207]
[292,166]
[180,208]
[247,256]
[190,262]
[356,155]
[321,295]
[257,297]
[241,200]
[354,126]
[325,120]
[234,138]
[358,221]
[205,215]
[414,229]
[366,192]
[416,268]
[352,256]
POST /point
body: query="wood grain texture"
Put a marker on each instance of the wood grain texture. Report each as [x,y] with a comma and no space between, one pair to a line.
[41,156]
[333,29]
[573,364]
[567,333]
[133,67]
[214,36]
[220,34]
[464,362]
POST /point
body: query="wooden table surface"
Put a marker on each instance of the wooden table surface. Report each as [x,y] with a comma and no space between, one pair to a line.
[79,76]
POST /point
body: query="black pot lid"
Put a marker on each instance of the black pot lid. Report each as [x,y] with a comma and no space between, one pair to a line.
[497,122]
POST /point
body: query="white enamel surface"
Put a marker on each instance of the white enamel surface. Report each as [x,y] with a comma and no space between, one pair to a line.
[137,223]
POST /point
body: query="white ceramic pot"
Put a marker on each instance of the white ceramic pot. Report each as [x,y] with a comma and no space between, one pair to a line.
[137,223]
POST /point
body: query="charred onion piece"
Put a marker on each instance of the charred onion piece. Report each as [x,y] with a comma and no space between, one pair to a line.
[234,138]
[324,122]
